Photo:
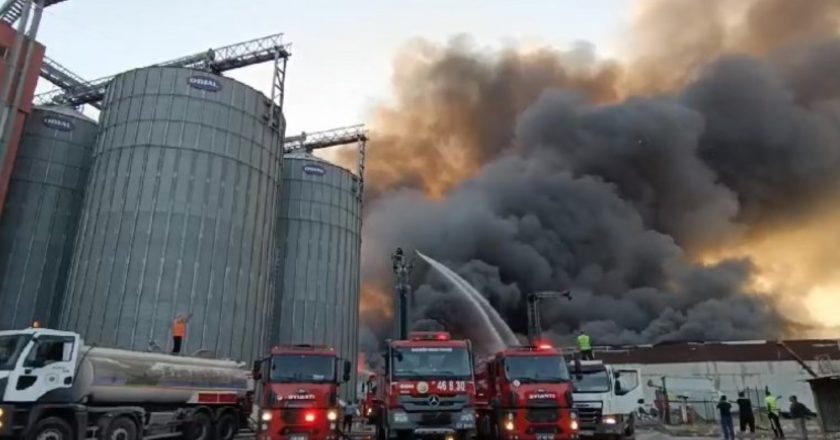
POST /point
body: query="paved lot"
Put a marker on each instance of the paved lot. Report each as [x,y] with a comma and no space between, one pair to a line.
[640,435]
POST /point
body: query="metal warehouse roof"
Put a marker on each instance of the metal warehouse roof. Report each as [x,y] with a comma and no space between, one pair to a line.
[732,351]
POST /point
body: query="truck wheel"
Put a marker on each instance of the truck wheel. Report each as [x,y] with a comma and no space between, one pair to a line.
[199,428]
[122,428]
[52,428]
[227,426]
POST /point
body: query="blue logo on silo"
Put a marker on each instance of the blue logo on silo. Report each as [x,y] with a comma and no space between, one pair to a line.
[205,83]
[315,170]
[57,123]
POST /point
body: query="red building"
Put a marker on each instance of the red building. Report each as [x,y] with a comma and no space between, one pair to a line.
[30,80]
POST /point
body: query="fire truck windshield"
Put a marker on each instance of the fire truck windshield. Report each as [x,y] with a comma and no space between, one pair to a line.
[431,362]
[592,381]
[10,348]
[536,369]
[302,368]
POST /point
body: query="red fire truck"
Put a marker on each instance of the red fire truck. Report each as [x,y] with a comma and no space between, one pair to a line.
[427,389]
[525,393]
[297,393]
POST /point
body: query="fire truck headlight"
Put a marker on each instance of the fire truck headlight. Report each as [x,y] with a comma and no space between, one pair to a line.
[610,420]
[332,415]
[266,416]
[574,425]
[509,425]
[400,417]
[369,411]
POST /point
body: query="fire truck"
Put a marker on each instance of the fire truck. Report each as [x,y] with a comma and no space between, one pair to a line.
[297,393]
[525,393]
[427,389]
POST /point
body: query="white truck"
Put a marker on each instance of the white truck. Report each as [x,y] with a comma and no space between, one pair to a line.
[606,400]
[53,387]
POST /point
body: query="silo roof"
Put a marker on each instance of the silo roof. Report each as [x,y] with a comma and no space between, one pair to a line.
[66,111]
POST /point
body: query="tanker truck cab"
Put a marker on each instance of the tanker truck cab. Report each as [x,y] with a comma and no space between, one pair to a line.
[428,389]
[36,364]
[606,400]
[298,395]
[54,387]
[525,393]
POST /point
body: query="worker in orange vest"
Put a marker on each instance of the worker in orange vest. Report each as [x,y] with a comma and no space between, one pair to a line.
[179,331]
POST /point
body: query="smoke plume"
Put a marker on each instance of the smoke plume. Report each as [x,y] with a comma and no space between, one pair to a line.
[686,191]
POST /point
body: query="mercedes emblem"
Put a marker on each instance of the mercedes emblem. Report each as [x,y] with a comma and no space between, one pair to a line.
[434,401]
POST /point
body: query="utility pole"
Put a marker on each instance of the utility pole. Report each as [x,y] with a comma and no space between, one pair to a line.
[402,271]
[666,407]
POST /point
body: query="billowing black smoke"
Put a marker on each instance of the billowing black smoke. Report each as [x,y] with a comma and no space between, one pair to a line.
[618,201]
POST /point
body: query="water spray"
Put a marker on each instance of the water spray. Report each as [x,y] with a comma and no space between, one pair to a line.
[500,332]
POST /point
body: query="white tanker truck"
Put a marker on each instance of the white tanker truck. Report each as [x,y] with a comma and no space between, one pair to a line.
[53,387]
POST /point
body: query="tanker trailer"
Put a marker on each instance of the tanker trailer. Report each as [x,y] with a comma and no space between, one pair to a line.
[54,387]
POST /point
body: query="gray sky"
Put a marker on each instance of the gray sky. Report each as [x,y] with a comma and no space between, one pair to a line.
[342,50]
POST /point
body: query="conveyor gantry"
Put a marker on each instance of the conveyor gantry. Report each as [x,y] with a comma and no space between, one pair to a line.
[234,56]
[11,10]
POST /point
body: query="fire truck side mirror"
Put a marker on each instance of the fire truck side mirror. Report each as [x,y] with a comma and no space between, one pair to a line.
[347,370]
[256,370]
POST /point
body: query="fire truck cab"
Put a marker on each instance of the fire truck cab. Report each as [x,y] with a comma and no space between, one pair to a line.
[297,393]
[525,393]
[427,389]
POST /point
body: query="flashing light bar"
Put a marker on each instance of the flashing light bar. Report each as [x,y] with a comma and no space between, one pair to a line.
[542,346]
[429,336]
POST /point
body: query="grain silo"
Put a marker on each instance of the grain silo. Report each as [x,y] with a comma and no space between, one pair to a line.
[320,244]
[179,216]
[41,213]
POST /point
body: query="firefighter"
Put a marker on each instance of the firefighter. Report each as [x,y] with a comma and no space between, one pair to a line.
[179,331]
[585,346]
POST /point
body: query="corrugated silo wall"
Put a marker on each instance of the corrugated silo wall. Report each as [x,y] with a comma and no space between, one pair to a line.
[179,217]
[39,221]
[320,244]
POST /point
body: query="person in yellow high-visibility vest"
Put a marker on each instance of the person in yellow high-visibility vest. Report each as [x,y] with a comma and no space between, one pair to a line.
[585,346]
[773,414]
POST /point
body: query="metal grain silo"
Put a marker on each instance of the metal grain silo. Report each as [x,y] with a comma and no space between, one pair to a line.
[41,213]
[320,245]
[179,215]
